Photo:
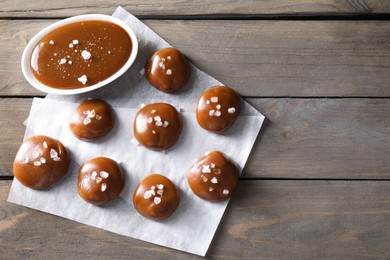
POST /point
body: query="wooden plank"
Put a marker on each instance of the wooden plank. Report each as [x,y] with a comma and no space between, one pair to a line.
[259,58]
[301,138]
[41,8]
[265,220]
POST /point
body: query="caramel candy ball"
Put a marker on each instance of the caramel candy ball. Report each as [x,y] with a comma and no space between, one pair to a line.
[156,197]
[92,120]
[157,126]
[213,177]
[168,70]
[218,108]
[40,162]
[100,180]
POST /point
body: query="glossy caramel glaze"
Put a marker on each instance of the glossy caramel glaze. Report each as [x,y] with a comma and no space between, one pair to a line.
[92,120]
[156,197]
[40,162]
[218,108]
[100,180]
[61,57]
[213,177]
[168,70]
[157,126]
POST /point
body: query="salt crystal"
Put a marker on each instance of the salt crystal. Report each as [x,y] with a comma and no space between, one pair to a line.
[161,65]
[62,61]
[91,114]
[98,180]
[160,186]
[204,178]
[147,194]
[142,72]
[94,174]
[70,62]
[169,57]
[98,117]
[104,174]
[157,118]
[51,42]
[160,192]
[218,106]
[212,165]
[153,187]
[231,110]
[214,99]
[214,180]
[154,132]
[37,163]
[26,160]
[75,42]
[217,113]
[211,112]
[45,144]
[57,159]
[208,102]
[153,111]
[163,59]
[53,153]
[86,54]
[206,169]
[70,45]
[159,123]
[103,187]
[43,160]
[225,192]
[211,189]
[157,200]
[83,79]
[35,155]
[169,72]
[166,123]
[87,121]
[149,120]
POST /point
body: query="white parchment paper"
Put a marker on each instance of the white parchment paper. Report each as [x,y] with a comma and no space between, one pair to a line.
[192,227]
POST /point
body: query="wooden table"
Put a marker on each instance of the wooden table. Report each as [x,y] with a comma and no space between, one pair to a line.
[317,184]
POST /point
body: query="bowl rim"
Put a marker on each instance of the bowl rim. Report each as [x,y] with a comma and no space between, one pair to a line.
[26,56]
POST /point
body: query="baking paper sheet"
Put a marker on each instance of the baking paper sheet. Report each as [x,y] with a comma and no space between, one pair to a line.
[192,227]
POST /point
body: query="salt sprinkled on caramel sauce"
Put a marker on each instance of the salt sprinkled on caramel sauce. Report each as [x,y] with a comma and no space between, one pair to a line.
[80,54]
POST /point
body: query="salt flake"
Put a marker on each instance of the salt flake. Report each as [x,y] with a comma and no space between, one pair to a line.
[231,110]
[157,200]
[206,169]
[104,174]
[86,55]
[83,79]
[87,121]
[103,187]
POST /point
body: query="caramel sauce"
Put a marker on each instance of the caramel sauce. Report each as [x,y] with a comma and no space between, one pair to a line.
[80,54]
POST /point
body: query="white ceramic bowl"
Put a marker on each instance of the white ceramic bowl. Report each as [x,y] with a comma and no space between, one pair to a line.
[26,56]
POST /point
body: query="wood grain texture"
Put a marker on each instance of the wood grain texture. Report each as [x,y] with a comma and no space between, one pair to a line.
[258,58]
[41,8]
[301,138]
[265,220]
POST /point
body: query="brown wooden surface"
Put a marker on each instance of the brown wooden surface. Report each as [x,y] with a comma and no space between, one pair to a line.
[352,134]
[316,185]
[265,220]
[258,58]
[42,8]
